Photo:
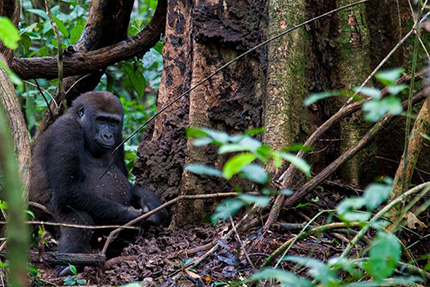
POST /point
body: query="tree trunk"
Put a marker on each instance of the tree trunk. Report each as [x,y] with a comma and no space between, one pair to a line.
[231,101]
[12,107]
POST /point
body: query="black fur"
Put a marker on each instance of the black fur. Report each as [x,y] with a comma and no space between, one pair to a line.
[68,161]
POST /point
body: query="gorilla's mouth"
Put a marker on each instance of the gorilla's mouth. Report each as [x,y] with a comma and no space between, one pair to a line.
[105,145]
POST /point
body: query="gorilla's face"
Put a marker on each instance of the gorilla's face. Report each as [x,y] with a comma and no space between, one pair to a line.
[102,131]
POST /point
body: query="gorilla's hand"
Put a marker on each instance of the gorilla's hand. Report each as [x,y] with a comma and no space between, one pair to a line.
[133,212]
[148,201]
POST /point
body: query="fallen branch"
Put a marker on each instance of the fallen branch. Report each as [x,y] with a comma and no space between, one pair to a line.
[54,258]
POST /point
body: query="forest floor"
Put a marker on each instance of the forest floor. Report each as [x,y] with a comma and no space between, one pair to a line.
[157,258]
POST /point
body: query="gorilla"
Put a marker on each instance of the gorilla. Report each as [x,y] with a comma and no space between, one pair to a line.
[68,161]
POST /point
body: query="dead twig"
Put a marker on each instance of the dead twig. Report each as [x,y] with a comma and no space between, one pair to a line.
[118,260]
[241,244]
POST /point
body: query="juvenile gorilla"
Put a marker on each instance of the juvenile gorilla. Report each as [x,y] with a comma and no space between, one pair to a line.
[68,162]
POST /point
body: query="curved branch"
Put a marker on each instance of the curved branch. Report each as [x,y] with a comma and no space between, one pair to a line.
[78,63]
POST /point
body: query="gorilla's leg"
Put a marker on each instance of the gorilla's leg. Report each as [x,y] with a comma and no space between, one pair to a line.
[74,240]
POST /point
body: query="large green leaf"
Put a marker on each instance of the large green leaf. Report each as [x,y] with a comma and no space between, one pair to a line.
[384,256]
[8,33]
[237,163]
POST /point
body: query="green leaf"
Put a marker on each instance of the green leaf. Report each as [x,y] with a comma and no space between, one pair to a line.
[225,209]
[81,281]
[29,212]
[8,33]
[261,201]
[255,173]
[377,193]
[25,42]
[296,147]
[389,77]
[287,278]
[349,210]
[298,162]
[395,89]
[393,105]
[73,269]
[384,256]
[202,141]
[39,13]
[319,96]
[76,32]
[69,281]
[194,132]
[256,131]
[159,47]
[237,163]
[136,78]
[203,169]
[61,27]
[286,192]
[244,144]
[317,269]
[220,137]
[371,92]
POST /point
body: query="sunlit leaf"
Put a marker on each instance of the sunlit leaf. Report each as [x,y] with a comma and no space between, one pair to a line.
[261,201]
[193,132]
[255,173]
[203,169]
[319,96]
[371,92]
[377,193]
[8,33]
[225,209]
[287,278]
[390,76]
[395,89]
[298,162]
[237,163]
[317,269]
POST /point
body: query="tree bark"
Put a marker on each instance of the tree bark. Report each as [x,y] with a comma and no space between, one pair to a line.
[12,107]
[200,38]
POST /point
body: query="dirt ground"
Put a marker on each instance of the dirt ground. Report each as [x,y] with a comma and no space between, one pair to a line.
[157,258]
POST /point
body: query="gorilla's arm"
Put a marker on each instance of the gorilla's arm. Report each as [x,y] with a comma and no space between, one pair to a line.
[70,186]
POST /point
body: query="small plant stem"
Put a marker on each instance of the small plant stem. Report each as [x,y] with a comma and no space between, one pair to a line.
[59,56]
[241,244]
[292,241]
[382,212]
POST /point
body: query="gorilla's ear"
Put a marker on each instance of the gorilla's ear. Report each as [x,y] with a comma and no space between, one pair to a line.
[81,111]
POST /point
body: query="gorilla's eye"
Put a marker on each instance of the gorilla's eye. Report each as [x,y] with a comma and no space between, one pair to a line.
[81,111]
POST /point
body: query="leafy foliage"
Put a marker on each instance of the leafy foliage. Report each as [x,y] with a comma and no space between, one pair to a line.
[247,151]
